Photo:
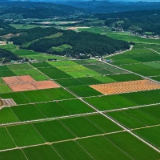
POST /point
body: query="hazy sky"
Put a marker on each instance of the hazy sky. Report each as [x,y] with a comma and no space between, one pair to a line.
[102,0]
[91,0]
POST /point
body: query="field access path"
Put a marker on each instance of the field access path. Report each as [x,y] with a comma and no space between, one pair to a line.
[111,55]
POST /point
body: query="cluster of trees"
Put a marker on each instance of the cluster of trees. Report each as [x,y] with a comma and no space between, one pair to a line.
[138,21]
[83,43]
[7,56]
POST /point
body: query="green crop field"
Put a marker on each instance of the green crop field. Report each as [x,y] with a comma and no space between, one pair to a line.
[18,97]
[78,152]
[76,122]
[110,102]
[125,77]
[84,91]
[54,73]
[144,151]
[27,112]
[136,118]
[5,89]
[24,135]
[69,82]
[139,53]
[75,106]
[58,94]
[7,116]
[45,152]
[151,135]
[32,72]
[142,69]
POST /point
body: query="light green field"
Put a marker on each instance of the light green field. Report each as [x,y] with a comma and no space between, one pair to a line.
[5,89]
[32,72]
[139,53]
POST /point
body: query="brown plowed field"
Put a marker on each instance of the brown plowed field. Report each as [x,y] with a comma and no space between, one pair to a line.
[25,78]
[18,79]
[126,87]
[11,80]
[45,84]
[27,83]
[22,87]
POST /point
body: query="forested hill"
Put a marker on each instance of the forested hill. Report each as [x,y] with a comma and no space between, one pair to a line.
[5,29]
[14,10]
[4,26]
[109,6]
[138,21]
[26,9]
[7,56]
[60,42]
[34,34]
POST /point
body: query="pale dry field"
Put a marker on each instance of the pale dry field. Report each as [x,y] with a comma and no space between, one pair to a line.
[126,87]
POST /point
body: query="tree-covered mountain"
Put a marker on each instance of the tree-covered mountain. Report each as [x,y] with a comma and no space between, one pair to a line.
[27,9]
[137,21]
[14,10]
[60,42]
[108,6]
[34,34]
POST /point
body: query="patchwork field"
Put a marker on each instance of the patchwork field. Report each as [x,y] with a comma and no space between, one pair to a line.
[65,117]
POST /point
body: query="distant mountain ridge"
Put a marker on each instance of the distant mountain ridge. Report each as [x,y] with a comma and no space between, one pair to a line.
[13,10]
[28,9]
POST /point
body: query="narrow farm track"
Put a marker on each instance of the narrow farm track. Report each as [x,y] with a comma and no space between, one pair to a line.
[152,126]
[106,116]
[47,119]
[154,50]
[128,108]
[111,55]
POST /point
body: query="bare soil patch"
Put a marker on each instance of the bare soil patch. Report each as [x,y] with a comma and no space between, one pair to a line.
[45,84]
[22,87]
[11,80]
[25,78]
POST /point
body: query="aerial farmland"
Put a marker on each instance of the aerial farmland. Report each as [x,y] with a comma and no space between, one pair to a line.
[79,109]
[79,80]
